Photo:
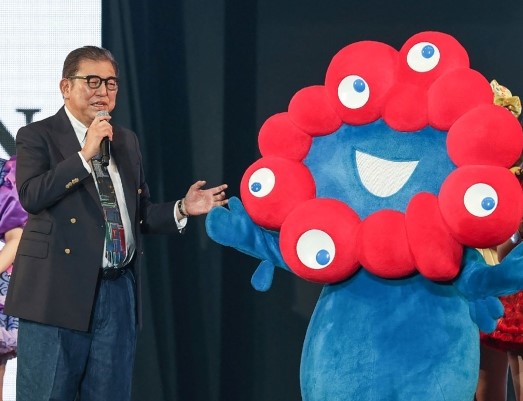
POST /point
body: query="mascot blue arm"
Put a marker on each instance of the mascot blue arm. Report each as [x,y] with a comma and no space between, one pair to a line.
[234,228]
[482,284]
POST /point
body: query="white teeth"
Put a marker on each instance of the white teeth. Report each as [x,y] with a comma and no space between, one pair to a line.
[383,177]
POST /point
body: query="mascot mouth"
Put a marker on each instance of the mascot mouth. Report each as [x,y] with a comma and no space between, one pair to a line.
[383,177]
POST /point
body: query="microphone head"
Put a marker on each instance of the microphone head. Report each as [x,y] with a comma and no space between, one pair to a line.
[102,113]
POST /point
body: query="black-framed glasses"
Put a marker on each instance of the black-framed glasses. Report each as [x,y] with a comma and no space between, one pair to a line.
[94,81]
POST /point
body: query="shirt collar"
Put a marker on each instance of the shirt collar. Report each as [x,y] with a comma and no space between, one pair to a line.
[79,129]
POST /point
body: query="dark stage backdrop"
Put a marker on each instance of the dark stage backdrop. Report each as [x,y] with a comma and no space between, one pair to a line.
[199,79]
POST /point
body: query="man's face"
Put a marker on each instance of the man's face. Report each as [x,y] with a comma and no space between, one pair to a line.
[81,100]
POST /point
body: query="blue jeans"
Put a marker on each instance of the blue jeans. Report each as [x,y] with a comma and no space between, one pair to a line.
[57,364]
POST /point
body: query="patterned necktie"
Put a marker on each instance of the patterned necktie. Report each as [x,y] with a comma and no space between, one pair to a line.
[115,248]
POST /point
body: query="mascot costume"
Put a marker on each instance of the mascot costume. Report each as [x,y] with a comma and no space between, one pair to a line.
[378,185]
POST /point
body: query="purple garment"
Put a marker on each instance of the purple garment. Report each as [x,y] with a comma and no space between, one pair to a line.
[12,215]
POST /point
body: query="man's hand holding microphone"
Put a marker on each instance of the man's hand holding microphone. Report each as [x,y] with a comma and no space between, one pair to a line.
[98,137]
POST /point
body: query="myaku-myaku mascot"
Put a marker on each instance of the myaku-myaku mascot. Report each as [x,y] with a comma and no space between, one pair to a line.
[379,184]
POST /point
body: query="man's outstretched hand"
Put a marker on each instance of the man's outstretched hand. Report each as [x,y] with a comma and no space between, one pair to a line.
[199,201]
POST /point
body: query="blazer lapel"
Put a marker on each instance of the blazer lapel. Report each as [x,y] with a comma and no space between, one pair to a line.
[64,135]
[67,144]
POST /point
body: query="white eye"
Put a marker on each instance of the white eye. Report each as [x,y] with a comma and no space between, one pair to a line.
[262,182]
[423,57]
[316,249]
[480,200]
[353,92]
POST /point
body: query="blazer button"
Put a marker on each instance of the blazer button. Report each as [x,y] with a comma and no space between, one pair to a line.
[73,220]
[67,251]
[139,191]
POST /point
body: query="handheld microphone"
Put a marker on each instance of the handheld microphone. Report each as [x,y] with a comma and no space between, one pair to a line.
[105,145]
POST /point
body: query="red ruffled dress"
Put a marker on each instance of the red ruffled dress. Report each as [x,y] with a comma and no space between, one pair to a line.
[508,335]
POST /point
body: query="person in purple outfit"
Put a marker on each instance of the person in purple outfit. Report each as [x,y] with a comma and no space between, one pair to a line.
[12,220]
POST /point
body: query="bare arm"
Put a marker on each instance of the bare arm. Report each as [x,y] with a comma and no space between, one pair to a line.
[8,252]
[508,245]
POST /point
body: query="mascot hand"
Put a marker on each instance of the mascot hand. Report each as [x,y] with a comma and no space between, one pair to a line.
[486,312]
[479,280]
[230,227]
[233,227]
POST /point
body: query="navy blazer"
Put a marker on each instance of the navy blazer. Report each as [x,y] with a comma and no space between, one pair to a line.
[57,264]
